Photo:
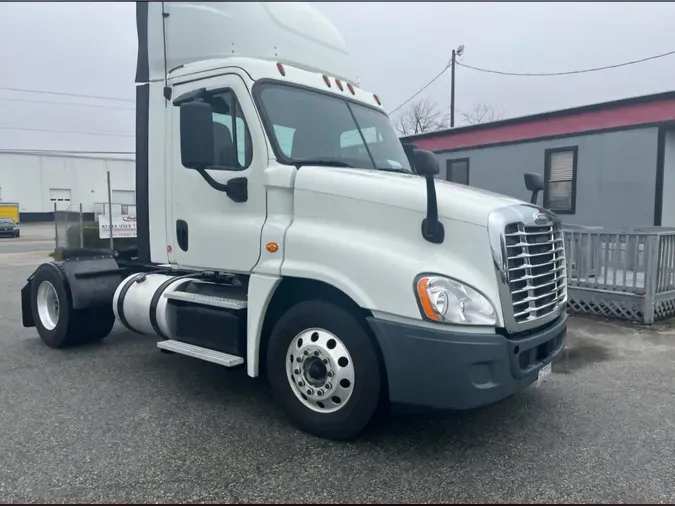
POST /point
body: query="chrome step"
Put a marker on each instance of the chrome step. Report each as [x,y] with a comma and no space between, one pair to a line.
[208,300]
[217,357]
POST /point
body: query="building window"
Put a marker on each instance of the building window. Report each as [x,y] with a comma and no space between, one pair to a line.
[458,170]
[560,192]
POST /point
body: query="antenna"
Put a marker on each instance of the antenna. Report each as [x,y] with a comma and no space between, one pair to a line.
[167,90]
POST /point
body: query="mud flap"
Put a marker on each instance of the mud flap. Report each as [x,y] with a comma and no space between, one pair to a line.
[26,310]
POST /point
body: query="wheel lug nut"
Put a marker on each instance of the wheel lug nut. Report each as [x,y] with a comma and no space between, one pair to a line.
[310,391]
[297,371]
[328,386]
[301,383]
[330,374]
[319,393]
[325,361]
[316,353]
[306,352]
[299,359]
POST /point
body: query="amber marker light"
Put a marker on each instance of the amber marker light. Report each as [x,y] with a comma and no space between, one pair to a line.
[272,247]
[425,302]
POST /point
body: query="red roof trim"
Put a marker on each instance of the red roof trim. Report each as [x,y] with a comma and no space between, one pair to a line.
[612,117]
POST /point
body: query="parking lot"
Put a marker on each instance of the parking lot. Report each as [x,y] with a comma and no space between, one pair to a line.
[120,422]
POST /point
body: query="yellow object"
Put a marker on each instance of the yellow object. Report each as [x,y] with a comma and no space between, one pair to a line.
[9,210]
[272,247]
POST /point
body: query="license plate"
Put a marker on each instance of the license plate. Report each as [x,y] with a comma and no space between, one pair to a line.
[544,372]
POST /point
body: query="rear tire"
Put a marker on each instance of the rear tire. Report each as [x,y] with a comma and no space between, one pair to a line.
[58,324]
[317,333]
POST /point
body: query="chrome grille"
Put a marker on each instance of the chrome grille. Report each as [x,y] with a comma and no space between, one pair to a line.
[535,262]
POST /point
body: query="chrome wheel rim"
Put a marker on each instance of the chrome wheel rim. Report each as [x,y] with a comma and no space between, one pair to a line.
[48,305]
[320,370]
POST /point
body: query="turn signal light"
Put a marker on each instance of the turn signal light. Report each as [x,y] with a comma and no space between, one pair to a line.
[272,247]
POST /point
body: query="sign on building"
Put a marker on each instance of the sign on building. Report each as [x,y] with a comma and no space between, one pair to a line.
[122,226]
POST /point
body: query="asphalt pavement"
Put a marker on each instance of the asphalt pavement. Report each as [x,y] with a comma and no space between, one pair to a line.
[118,421]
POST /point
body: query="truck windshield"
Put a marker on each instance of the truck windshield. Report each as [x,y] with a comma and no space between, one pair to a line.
[315,127]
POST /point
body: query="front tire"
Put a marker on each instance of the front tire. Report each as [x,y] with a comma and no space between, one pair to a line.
[58,324]
[324,370]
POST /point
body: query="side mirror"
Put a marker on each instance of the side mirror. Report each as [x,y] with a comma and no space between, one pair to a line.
[196,135]
[535,183]
[425,162]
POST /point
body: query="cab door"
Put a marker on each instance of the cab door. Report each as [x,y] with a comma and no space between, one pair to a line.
[209,229]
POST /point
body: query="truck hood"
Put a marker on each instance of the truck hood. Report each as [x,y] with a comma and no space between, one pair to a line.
[407,191]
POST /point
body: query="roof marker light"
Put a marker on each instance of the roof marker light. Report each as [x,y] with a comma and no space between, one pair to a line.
[326,80]
[339,84]
[351,88]
[377,99]
[281,68]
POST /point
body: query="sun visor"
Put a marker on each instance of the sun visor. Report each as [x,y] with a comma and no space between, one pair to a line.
[294,33]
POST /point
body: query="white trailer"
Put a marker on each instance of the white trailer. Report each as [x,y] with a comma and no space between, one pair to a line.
[283,227]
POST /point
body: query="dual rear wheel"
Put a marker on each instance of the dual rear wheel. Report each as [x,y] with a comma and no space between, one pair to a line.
[58,324]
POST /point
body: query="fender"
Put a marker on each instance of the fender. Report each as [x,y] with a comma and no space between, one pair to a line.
[261,288]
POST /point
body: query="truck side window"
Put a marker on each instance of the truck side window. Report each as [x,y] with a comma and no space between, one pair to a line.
[231,136]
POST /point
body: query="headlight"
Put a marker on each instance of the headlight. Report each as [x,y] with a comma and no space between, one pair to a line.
[446,300]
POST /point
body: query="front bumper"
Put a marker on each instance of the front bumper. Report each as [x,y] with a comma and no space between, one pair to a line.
[9,233]
[452,370]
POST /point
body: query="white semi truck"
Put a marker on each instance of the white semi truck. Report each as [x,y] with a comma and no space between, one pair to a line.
[283,227]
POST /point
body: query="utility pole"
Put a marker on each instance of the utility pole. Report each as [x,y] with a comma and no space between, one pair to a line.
[455,53]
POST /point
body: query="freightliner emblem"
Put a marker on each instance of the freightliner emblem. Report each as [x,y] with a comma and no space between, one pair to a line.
[540,218]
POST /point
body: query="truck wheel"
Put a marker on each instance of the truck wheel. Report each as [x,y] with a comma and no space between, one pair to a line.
[58,324]
[324,370]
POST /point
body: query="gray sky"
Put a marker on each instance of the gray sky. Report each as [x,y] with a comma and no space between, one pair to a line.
[90,48]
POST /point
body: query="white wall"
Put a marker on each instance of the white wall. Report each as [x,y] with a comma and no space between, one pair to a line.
[28,178]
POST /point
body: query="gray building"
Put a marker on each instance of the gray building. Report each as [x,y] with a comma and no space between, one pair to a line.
[609,164]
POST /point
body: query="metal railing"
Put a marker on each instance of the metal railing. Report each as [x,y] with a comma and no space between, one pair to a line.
[65,235]
[628,273]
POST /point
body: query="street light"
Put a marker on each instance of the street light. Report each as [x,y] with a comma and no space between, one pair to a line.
[455,53]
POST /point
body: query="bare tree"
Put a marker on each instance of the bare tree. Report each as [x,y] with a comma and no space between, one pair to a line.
[421,116]
[481,113]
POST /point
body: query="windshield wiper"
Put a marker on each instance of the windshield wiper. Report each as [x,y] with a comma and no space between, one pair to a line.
[394,169]
[326,162]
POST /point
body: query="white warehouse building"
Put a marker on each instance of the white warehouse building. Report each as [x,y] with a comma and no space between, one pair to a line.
[38,181]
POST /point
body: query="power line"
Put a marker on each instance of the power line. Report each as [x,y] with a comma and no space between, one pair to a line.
[96,106]
[583,71]
[421,90]
[63,94]
[67,151]
[76,132]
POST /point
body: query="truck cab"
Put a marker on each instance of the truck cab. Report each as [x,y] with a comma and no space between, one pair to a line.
[283,227]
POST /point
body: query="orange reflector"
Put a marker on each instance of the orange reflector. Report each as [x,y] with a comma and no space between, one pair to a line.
[351,88]
[377,99]
[281,68]
[326,80]
[339,84]
[272,247]
[423,295]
